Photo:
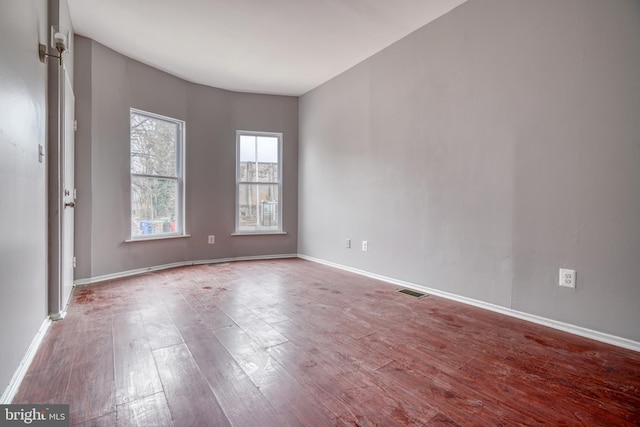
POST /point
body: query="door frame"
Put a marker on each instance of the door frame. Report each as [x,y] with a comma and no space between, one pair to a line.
[61,202]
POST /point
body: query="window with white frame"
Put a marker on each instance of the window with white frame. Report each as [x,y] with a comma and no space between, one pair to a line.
[157,175]
[258,182]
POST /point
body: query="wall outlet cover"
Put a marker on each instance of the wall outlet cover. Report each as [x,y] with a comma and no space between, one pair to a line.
[567,278]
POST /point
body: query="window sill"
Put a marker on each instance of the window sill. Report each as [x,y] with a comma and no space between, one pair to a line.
[146,239]
[258,233]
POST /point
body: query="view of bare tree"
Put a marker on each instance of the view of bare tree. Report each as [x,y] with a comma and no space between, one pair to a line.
[154,174]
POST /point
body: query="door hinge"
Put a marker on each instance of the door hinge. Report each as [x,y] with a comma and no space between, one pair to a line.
[75,125]
[74,262]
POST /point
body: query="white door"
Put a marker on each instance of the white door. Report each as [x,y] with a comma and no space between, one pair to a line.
[68,197]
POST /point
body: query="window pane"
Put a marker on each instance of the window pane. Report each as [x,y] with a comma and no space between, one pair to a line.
[153,206]
[258,207]
[247,148]
[267,149]
[247,158]
[154,145]
[267,159]
[248,171]
[267,172]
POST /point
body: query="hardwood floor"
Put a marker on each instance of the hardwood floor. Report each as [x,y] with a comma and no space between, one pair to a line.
[293,343]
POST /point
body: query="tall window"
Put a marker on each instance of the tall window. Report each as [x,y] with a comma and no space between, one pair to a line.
[259,182]
[157,170]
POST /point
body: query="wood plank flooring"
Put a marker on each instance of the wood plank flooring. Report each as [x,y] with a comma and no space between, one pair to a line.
[293,343]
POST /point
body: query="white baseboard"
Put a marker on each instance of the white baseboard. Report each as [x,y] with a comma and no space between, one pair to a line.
[566,327]
[97,279]
[121,274]
[58,316]
[11,390]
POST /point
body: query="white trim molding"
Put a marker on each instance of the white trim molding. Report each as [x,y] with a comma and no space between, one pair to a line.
[58,316]
[112,276]
[13,386]
[555,324]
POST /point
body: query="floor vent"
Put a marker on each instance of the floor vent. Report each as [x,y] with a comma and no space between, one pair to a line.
[413,293]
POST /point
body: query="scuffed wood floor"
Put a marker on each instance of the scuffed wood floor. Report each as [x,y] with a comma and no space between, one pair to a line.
[290,342]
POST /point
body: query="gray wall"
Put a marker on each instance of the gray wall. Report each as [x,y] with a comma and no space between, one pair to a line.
[483,152]
[108,85]
[23,211]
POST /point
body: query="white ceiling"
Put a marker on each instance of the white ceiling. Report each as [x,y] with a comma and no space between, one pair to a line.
[283,47]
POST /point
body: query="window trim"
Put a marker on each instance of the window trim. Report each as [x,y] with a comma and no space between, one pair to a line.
[180,178]
[258,231]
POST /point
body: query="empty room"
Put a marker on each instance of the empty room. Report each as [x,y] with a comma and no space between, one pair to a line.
[320,213]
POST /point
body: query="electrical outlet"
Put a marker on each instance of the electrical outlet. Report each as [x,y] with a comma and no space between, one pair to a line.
[567,278]
[212,240]
[365,245]
[348,243]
